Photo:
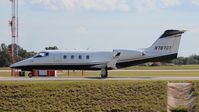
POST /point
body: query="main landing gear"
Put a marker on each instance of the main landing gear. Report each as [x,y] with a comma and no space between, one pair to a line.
[104,72]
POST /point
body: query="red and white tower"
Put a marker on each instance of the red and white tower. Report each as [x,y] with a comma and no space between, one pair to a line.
[14,30]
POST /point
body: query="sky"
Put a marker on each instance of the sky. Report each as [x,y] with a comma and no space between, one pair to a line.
[101,24]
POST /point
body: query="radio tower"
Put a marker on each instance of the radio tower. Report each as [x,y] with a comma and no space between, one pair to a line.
[14,31]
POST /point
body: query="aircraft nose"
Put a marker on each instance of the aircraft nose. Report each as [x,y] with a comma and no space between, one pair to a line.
[20,64]
[13,65]
[16,65]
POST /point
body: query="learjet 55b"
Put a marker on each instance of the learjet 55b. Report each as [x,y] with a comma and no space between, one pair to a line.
[163,49]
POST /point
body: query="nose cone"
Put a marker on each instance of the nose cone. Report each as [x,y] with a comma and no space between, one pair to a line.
[21,64]
[17,65]
[13,65]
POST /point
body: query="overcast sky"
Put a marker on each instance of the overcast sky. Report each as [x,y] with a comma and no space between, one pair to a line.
[101,24]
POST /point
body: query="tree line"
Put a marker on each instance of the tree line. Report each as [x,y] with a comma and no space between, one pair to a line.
[5,56]
[193,59]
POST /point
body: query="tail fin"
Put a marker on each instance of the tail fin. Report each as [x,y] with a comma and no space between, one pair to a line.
[167,44]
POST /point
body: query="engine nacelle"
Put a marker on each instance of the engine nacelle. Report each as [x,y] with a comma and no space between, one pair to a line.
[128,54]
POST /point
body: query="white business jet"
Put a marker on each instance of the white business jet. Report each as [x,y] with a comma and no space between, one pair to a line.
[163,49]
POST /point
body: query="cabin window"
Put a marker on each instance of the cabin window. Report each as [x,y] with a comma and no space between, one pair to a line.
[72,57]
[46,54]
[87,57]
[42,54]
[80,57]
[65,57]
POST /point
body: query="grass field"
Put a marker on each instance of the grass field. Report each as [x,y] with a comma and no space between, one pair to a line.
[176,67]
[86,96]
[5,74]
[4,68]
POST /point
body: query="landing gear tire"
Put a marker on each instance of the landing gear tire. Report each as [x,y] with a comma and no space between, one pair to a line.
[30,75]
[104,73]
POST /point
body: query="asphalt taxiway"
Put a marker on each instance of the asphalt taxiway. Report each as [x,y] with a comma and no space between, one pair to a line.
[194,70]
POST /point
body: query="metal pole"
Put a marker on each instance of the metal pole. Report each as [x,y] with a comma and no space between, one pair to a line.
[68,73]
[82,73]
[14,31]
[17,27]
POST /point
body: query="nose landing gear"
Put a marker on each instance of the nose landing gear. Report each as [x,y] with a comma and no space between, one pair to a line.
[30,75]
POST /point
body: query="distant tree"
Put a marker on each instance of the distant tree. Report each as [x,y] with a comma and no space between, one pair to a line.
[194,59]
[4,56]
[22,54]
[191,60]
[52,48]
[178,61]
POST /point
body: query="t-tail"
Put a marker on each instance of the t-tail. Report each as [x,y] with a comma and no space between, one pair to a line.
[166,46]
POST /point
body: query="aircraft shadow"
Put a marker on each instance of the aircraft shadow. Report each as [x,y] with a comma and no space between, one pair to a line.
[119,78]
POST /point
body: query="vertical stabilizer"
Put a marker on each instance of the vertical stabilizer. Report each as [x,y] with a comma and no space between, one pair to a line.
[167,44]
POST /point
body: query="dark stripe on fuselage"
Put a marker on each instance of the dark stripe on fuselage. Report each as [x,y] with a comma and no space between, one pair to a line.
[57,67]
[155,59]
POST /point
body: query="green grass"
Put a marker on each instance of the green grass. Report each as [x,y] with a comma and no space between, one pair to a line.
[86,96]
[5,74]
[175,67]
[152,74]
[4,68]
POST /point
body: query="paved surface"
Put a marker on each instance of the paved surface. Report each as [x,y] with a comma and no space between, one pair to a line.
[196,70]
[5,70]
[93,78]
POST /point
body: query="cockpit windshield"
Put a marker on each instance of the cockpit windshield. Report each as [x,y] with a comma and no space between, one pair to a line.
[41,54]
